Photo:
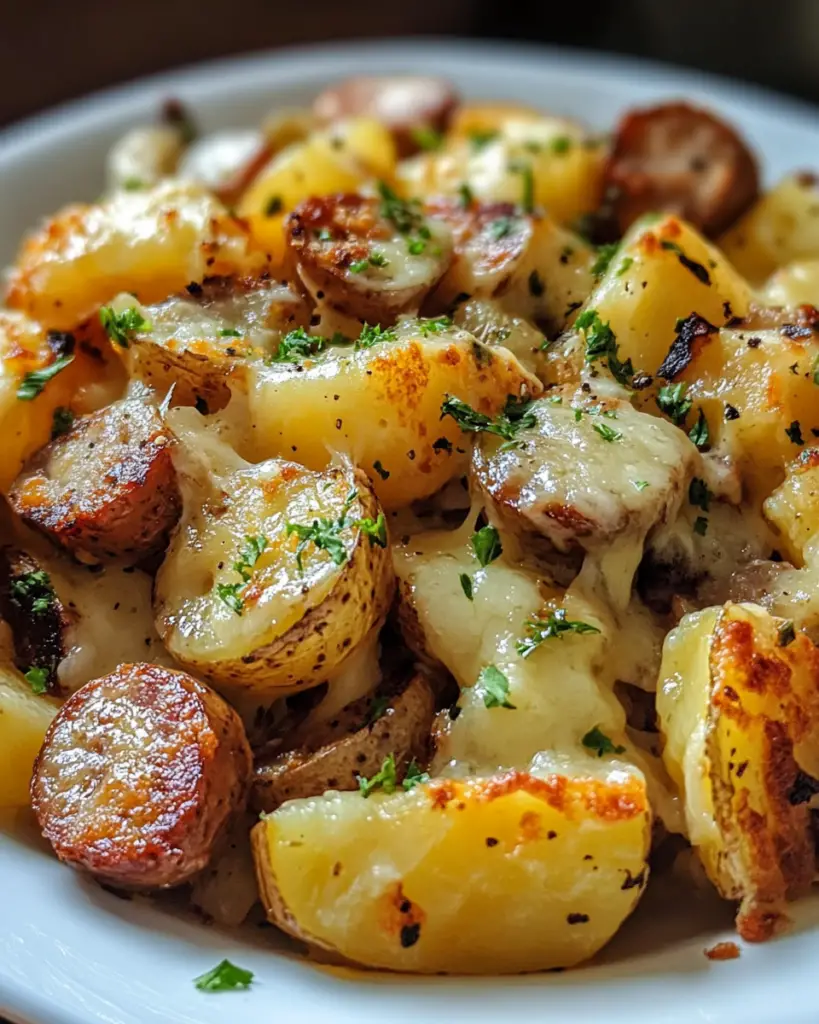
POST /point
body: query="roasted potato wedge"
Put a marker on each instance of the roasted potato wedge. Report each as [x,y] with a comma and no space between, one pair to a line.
[395,720]
[406,104]
[679,159]
[105,489]
[397,379]
[366,257]
[494,875]
[195,341]
[271,580]
[738,704]
[586,472]
[139,776]
[150,242]
[663,271]
[40,373]
[782,226]
[793,508]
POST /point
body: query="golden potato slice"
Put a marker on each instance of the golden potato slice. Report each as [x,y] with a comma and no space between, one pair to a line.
[738,703]
[105,489]
[782,226]
[24,719]
[585,471]
[393,721]
[151,243]
[406,104]
[139,776]
[40,373]
[369,258]
[662,272]
[274,577]
[195,340]
[395,379]
[529,265]
[494,875]
[793,508]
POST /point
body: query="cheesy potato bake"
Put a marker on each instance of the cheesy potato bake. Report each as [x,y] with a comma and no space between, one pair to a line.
[410,523]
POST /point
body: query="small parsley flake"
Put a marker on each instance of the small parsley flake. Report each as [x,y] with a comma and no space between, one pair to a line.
[486,544]
[224,978]
[495,688]
[35,381]
[599,743]
[120,326]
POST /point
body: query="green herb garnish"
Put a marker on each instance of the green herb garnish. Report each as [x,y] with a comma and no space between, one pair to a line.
[599,743]
[224,978]
[554,625]
[35,380]
[385,779]
[120,326]
[486,544]
[672,401]
[495,688]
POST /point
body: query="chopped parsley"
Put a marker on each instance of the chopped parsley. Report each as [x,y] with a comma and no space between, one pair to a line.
[516,416]
[640,484]
[386,778]
[434,326]
[701,526]
[229,594]
[427,138]
[466,195]
[325,533]
[495,688]
[599,743]
[486,544]
[625,264]
[375,259]
[35,381]
[404,214]
[699,433]
[527,202]
[479,140]
[37,679]
[133,184]
[373,335]
[229,332]
[120,326]
[378,708]
[297,345]
[601,343]
[555,625]
[414,776]
[605,254]
[786,634]
[699,494]
[33,590]
[374,529]
[672,401]
[466,586]
[794,432]
[224,977]
[607,433]
[61,422]
[560,145]
[383,473]
[501,227]
[274,206]
[249,556]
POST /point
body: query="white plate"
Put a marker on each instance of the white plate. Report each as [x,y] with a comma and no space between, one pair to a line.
[71,953]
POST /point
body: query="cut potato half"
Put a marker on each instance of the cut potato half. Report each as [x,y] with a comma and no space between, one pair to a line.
[495,875]
[738,703]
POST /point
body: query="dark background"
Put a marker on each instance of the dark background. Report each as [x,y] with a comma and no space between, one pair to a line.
[53,50]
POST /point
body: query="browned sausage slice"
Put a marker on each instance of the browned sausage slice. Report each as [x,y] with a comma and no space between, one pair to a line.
[404,103]
[105,489]
[139,775]
[677,158]
[369,258]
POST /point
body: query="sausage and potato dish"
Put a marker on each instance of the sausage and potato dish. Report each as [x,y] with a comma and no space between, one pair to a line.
[409,524]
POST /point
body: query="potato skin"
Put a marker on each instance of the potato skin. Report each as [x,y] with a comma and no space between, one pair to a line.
[123,505]
[139,775]
[677,158]
[334,756]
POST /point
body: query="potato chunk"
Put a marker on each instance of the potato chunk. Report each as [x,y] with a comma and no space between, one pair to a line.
[586,472]
[105,489]
[139,776]
[197,339]
[368,258]
[793,508]
[397,380]
[739,708]
[494,875]
[271,580]
[151,243]
[394,721]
